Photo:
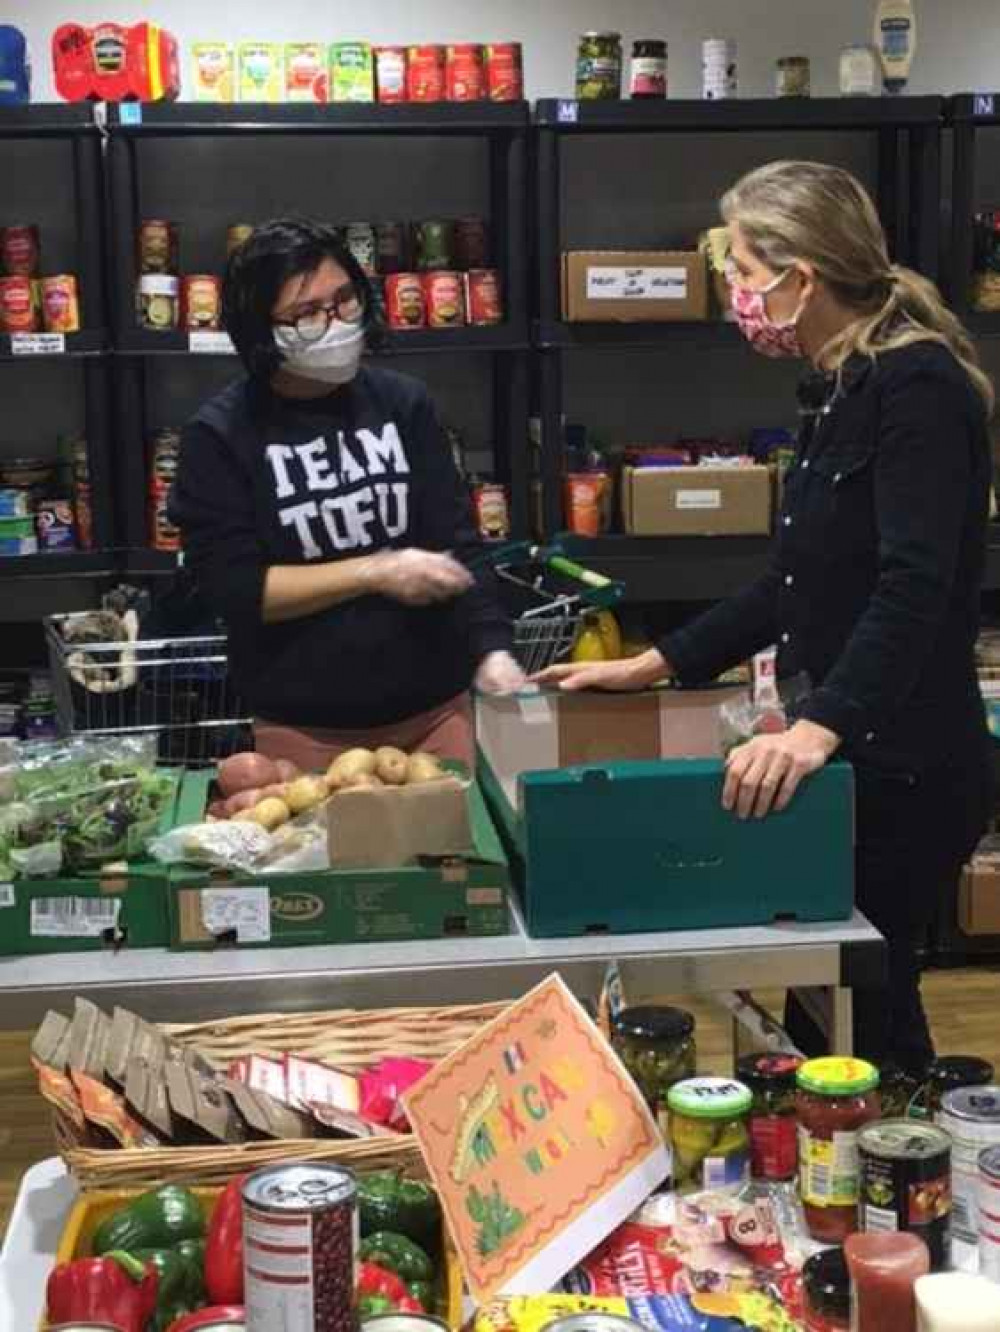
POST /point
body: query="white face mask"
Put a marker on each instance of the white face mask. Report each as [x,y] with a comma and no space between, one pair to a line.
[332,359]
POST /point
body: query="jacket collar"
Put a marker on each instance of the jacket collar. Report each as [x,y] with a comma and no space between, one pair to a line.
[820,388]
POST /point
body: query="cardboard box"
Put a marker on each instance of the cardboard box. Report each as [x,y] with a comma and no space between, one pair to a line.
[432,900]
[696,501]
[979,896]
[634,286]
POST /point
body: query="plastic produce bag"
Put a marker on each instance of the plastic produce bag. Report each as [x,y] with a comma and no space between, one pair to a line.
[235,844]
[742,719]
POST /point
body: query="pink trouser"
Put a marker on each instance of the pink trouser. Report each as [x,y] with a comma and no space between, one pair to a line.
[446,732]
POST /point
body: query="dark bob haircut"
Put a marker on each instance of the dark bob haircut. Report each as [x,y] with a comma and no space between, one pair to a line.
[286,247]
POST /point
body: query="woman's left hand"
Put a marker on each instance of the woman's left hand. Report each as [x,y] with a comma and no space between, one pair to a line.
[499,673]
[764,774]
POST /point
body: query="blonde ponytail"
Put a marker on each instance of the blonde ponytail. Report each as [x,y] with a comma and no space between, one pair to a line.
[809,212]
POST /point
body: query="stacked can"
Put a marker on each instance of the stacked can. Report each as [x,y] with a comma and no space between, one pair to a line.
[989,1213]
[359,237]
[164,455]
[719,82]
[159,290]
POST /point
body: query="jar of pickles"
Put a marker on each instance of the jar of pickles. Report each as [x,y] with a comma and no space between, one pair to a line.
[773,1124]
[599,67]
[836,1098]
[709,1134]
[657,1046]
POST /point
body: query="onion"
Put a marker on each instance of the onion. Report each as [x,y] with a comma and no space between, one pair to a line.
[242,772]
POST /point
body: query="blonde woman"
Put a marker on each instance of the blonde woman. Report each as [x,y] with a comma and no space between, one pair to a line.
[873,588]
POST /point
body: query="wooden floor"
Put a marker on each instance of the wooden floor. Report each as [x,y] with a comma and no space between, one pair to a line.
[963,1007]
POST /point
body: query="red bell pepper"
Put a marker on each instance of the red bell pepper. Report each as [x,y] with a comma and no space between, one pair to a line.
[218,1313]
[379,1281]
[224,1246]
[115,1289]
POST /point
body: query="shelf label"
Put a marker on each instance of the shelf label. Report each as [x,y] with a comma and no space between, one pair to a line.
[130,113]
[699,499]
[245,911]
[211,344]
[74,917]
[568,113]
[38,344]
[637,284]
[984,104]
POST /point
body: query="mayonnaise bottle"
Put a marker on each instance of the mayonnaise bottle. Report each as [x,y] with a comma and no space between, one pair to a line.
[895,41]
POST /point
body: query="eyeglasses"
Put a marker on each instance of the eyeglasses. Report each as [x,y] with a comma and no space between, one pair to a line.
[347,305]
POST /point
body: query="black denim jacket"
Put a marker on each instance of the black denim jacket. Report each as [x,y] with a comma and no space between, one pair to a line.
[874,582]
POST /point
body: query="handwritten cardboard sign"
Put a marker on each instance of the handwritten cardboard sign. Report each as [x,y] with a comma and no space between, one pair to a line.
[537,1141]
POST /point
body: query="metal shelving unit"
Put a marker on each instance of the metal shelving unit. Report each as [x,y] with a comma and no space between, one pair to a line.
[967,115]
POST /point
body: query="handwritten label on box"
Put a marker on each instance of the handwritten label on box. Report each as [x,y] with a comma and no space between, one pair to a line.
[637,284]
[699,499]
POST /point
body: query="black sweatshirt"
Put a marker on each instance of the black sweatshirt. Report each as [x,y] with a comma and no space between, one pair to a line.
[265,480]
[874,583]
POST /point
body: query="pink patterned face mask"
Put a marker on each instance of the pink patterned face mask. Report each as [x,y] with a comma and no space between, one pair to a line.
[757,326]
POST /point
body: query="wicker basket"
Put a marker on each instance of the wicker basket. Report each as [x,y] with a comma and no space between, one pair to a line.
[347,1038]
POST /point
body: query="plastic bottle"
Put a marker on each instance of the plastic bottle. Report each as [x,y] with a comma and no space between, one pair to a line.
[957,1302]
[884,1268]
[895,41]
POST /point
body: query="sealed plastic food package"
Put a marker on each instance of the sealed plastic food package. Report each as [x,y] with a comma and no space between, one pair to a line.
[743,719]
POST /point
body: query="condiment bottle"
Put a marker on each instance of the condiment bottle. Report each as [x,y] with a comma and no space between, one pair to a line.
[957,1302]
[895,41]
[883,1270]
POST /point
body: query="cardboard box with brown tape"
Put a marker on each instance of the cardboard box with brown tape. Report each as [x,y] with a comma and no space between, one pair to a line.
[634,286]
[696,501]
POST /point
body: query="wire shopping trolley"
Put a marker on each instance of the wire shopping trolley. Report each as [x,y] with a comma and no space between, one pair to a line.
[547,597]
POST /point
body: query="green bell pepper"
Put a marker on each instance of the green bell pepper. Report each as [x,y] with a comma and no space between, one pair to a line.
[399,1254]
[407,1207]
[156,1220]
[182,1283]
[424,1292]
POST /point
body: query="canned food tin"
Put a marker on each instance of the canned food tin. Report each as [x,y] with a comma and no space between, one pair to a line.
[492,511]
[390,73]
[593,1321]
[60,304]
[158,246]
[201,302]
[404,301]
[236,235]
[792,75]
[719,71]
[405,1322]
[20,250]
[483,300]
[444,297]
[390,247]
[82,494]
[425,73]
[989,1213]
[55,524]
[465,73]
[306,74]
[906,1183]
[433,246]
[971,1118]
[18,310]
[359,237]
[300,1237]
[165,448]
[951,1072]
[470,243]
[599,67]
[504,72]
[159,301]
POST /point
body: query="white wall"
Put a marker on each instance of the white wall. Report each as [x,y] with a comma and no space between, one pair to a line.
[959,39]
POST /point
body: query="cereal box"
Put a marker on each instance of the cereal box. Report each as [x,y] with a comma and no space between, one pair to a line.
[261,72]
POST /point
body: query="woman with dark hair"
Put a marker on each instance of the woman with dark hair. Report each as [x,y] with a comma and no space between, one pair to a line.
[326,522]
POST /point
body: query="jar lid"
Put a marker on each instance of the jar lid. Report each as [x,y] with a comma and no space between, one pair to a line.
[603,36]
[904,1140]
[961,1071]
[759,1071]
[837,1076]
[710,1098]
[828,1284]
[654,1023]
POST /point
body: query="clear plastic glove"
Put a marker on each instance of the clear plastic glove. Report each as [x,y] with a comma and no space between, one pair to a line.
[499,673]
[419,577]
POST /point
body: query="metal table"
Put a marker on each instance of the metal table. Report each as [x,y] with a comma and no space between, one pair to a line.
[180,987]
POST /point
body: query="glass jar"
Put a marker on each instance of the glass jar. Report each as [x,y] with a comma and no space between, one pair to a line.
[599,67]
[897,1092]
[793,77]
[773,1124]
[858,71]
[826,1286]
[951,1072]
[657,1046]
[649,70]
[836,1098]
[710,1134]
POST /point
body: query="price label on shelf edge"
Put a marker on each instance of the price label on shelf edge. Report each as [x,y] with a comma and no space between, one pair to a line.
[38,344]
[211,344]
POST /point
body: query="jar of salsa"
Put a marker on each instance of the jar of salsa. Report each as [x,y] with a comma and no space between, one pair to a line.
[656,1044]
[836,1098]
[826,1285]
[773,1125]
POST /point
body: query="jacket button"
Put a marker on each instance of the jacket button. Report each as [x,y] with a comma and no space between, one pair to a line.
[870,737]
[786,638]
[787,521]
[789,580]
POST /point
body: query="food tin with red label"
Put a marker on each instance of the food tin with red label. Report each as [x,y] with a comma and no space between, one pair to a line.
[236,235]
[20,250]
[906,1183]
[425,73]
[158,246]
[465,73]
[18,310]
[55,524]
[444,296]
[60,304]
[390,74]
[773,1125]
[492,511]
[483,299]
[471,243]
[82,495]
[404,301]
[201,302]
[164,455]
[504,72]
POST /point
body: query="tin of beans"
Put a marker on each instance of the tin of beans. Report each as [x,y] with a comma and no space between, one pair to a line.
[56,525]
[504,72]
[201,302]
[492,511]
[433,246]
[906,1183]
[465,73]
[471,243]
[390,247]
[20,250]
[299,1228]
[82,493]
[989,1213]
[359,237]
[236,235]
[404,301]
[158,246]
[390,74]
[971,1118]
[18,310]
[444,296]
[159,301]
[425,73]
[60,304]
[484,302]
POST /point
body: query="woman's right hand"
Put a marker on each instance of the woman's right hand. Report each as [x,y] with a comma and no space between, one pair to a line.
[418,577]
[632,673]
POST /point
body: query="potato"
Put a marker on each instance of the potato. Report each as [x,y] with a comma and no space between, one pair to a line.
[390,765]
[423,768]
[270,813]
[362,779]
[349,765]
[305,793]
